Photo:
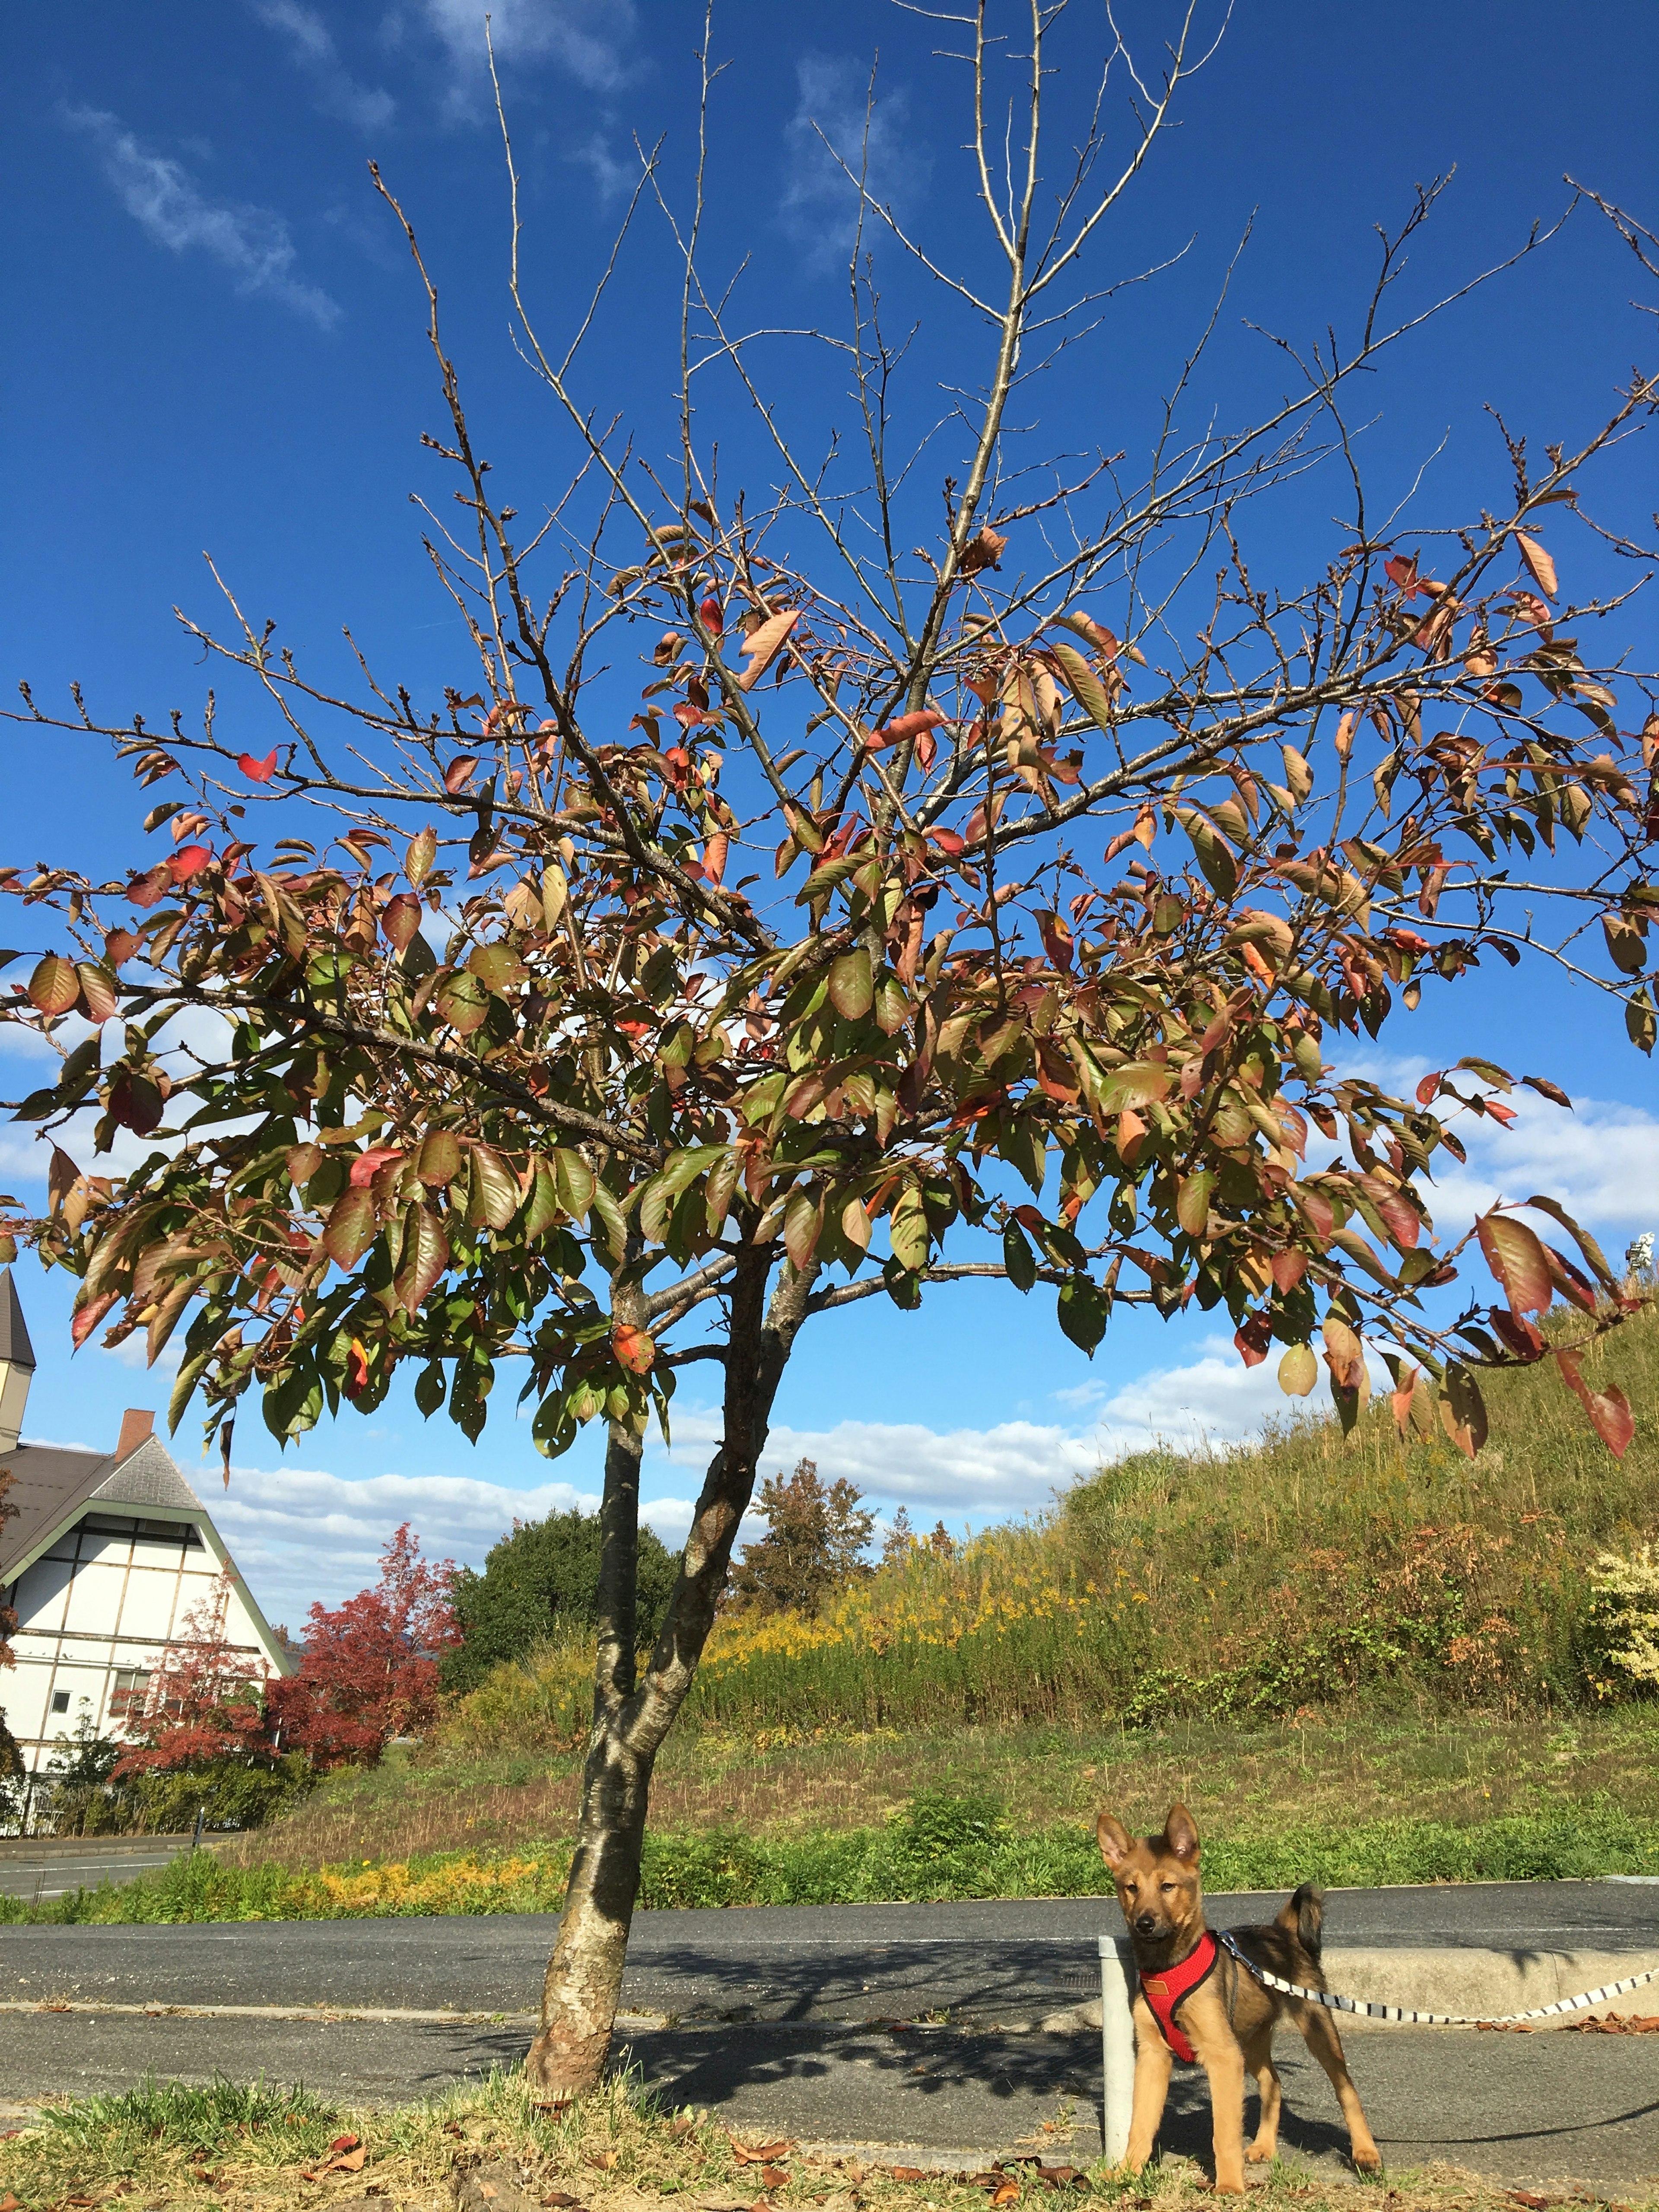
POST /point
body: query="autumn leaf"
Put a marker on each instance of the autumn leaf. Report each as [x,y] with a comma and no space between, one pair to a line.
[1609,1410]
[762,645]
[422,850]
[400,918]
[984,550]
[633,1347]
[456,775]
[258,771]
[1516,1259]
[189,860]
[351,1227]
[1298,1371]
[852,991]
[54,986]
[1540,566]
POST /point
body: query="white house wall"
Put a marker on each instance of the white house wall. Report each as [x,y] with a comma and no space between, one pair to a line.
[101,1601]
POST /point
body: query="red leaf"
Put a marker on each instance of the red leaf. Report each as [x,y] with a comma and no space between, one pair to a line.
[1428,1088]
[357,1368]
[120,945]
[1609,1410]
[189,860]
[258,771]
[365,1166]
[351,1229]
[400,918]
[635,1348]
[144,890]
[1517,1258]
[457,774]
[1552,1092]
[907,726]
[88,1318]
[1503,1114]
[424,1257]
[1289,1268]
[1056,939]
[714,618]
[1252,1340]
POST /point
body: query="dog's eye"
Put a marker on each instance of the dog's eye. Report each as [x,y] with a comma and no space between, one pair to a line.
[1166,1886]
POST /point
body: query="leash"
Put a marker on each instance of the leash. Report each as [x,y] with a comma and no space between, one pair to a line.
[1332,2002]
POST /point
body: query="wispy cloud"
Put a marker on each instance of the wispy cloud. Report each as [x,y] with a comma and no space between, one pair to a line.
[162,197]
[871,138]
[593,154]
[591,40]
[311,44]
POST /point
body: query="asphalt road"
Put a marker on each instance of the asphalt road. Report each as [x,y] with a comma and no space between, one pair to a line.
[827,1963]
[50,1868]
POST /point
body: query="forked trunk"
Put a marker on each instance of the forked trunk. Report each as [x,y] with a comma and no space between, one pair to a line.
[583,1976]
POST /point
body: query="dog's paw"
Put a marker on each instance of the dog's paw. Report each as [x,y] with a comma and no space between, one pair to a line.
[1369,2160]
[1261,2153]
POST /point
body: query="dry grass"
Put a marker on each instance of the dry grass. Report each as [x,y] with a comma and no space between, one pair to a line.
[184,2151]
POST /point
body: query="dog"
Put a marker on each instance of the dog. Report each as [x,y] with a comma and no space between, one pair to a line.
[1226,2018]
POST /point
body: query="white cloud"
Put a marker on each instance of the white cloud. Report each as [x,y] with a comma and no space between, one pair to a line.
[311,43]
[872,138]
[593,154]
[159,193]
[589,39]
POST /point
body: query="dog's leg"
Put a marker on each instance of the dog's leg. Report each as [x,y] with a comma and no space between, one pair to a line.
[1217,2049]
[1326,2045]
[1259,2058]
[1153,2061]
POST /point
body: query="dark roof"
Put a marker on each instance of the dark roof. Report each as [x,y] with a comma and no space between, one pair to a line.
[14,1344]
[50,1485]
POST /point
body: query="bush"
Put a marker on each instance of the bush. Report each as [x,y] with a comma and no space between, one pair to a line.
[1622,1632]
[236,1795]
[539,1584]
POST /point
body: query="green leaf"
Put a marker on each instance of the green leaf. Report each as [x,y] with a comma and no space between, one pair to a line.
[1298,1371]
[492,1191]
[852,989]
[1193,1201]
[541,1214]
[1084,1310]
[909,1230]
[1084,685]
[1019,1258]
[351,1229]
[438,1160]
[1641,1025]
[1136,1084]
[576,1182]
[803,1222]
[429,1389]
[292,1401]
[424,1256]
[497,969]
[463,1002]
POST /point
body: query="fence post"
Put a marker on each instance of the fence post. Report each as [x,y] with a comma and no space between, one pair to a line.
[1117,2048]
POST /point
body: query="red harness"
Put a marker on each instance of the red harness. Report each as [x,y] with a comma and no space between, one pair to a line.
[1166,1991]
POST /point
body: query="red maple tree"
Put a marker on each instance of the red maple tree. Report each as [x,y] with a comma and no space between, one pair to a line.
[370,1668]
[204,1700]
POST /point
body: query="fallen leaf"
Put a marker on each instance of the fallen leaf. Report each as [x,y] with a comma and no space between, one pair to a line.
[604,2160]
[909,2173]
[560,2200]
[774,2177]
[1007,2193]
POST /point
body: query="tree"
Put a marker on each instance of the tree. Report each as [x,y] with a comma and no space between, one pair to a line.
[204,1700]
[542,1578]
[900,1540]
[370,1667]
[1327,781]
[814,1543]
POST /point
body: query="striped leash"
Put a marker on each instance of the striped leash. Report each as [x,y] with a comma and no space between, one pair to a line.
[1332,2002]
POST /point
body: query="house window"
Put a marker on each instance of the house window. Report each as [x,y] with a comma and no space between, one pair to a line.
[60,1701]
[127,1697]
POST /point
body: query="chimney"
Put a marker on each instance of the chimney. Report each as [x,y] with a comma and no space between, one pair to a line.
[17,1364]
[136,1425]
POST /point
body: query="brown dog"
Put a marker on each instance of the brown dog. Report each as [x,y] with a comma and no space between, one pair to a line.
[1213,2011]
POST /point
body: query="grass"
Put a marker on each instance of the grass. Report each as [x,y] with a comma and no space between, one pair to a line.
[187,2149]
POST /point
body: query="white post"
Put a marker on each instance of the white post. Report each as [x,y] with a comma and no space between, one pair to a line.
[1117,2047]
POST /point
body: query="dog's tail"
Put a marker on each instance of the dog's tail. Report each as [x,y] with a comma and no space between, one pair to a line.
[1303,1917]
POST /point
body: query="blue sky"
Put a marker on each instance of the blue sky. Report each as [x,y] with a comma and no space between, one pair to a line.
[219,347]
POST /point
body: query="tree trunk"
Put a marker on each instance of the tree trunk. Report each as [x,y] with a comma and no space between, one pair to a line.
[584,1975]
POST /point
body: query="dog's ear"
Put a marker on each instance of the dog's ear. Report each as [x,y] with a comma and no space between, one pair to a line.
[1114,1840]
[1181,1834]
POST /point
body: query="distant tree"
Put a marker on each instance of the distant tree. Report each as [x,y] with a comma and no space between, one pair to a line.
[814,1543]
[900,1540]
[81,1779]
[205,1700]
[543,1577]
[370,1667]
[941,1543]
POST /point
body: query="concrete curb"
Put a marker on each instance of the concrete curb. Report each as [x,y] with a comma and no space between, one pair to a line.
[1487,1985]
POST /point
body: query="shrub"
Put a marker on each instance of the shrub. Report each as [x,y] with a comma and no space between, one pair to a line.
[538,1585]
[1623,1629]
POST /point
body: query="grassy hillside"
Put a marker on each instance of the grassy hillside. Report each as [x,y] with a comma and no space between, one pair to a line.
[1370,1660]
[1237,1584]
